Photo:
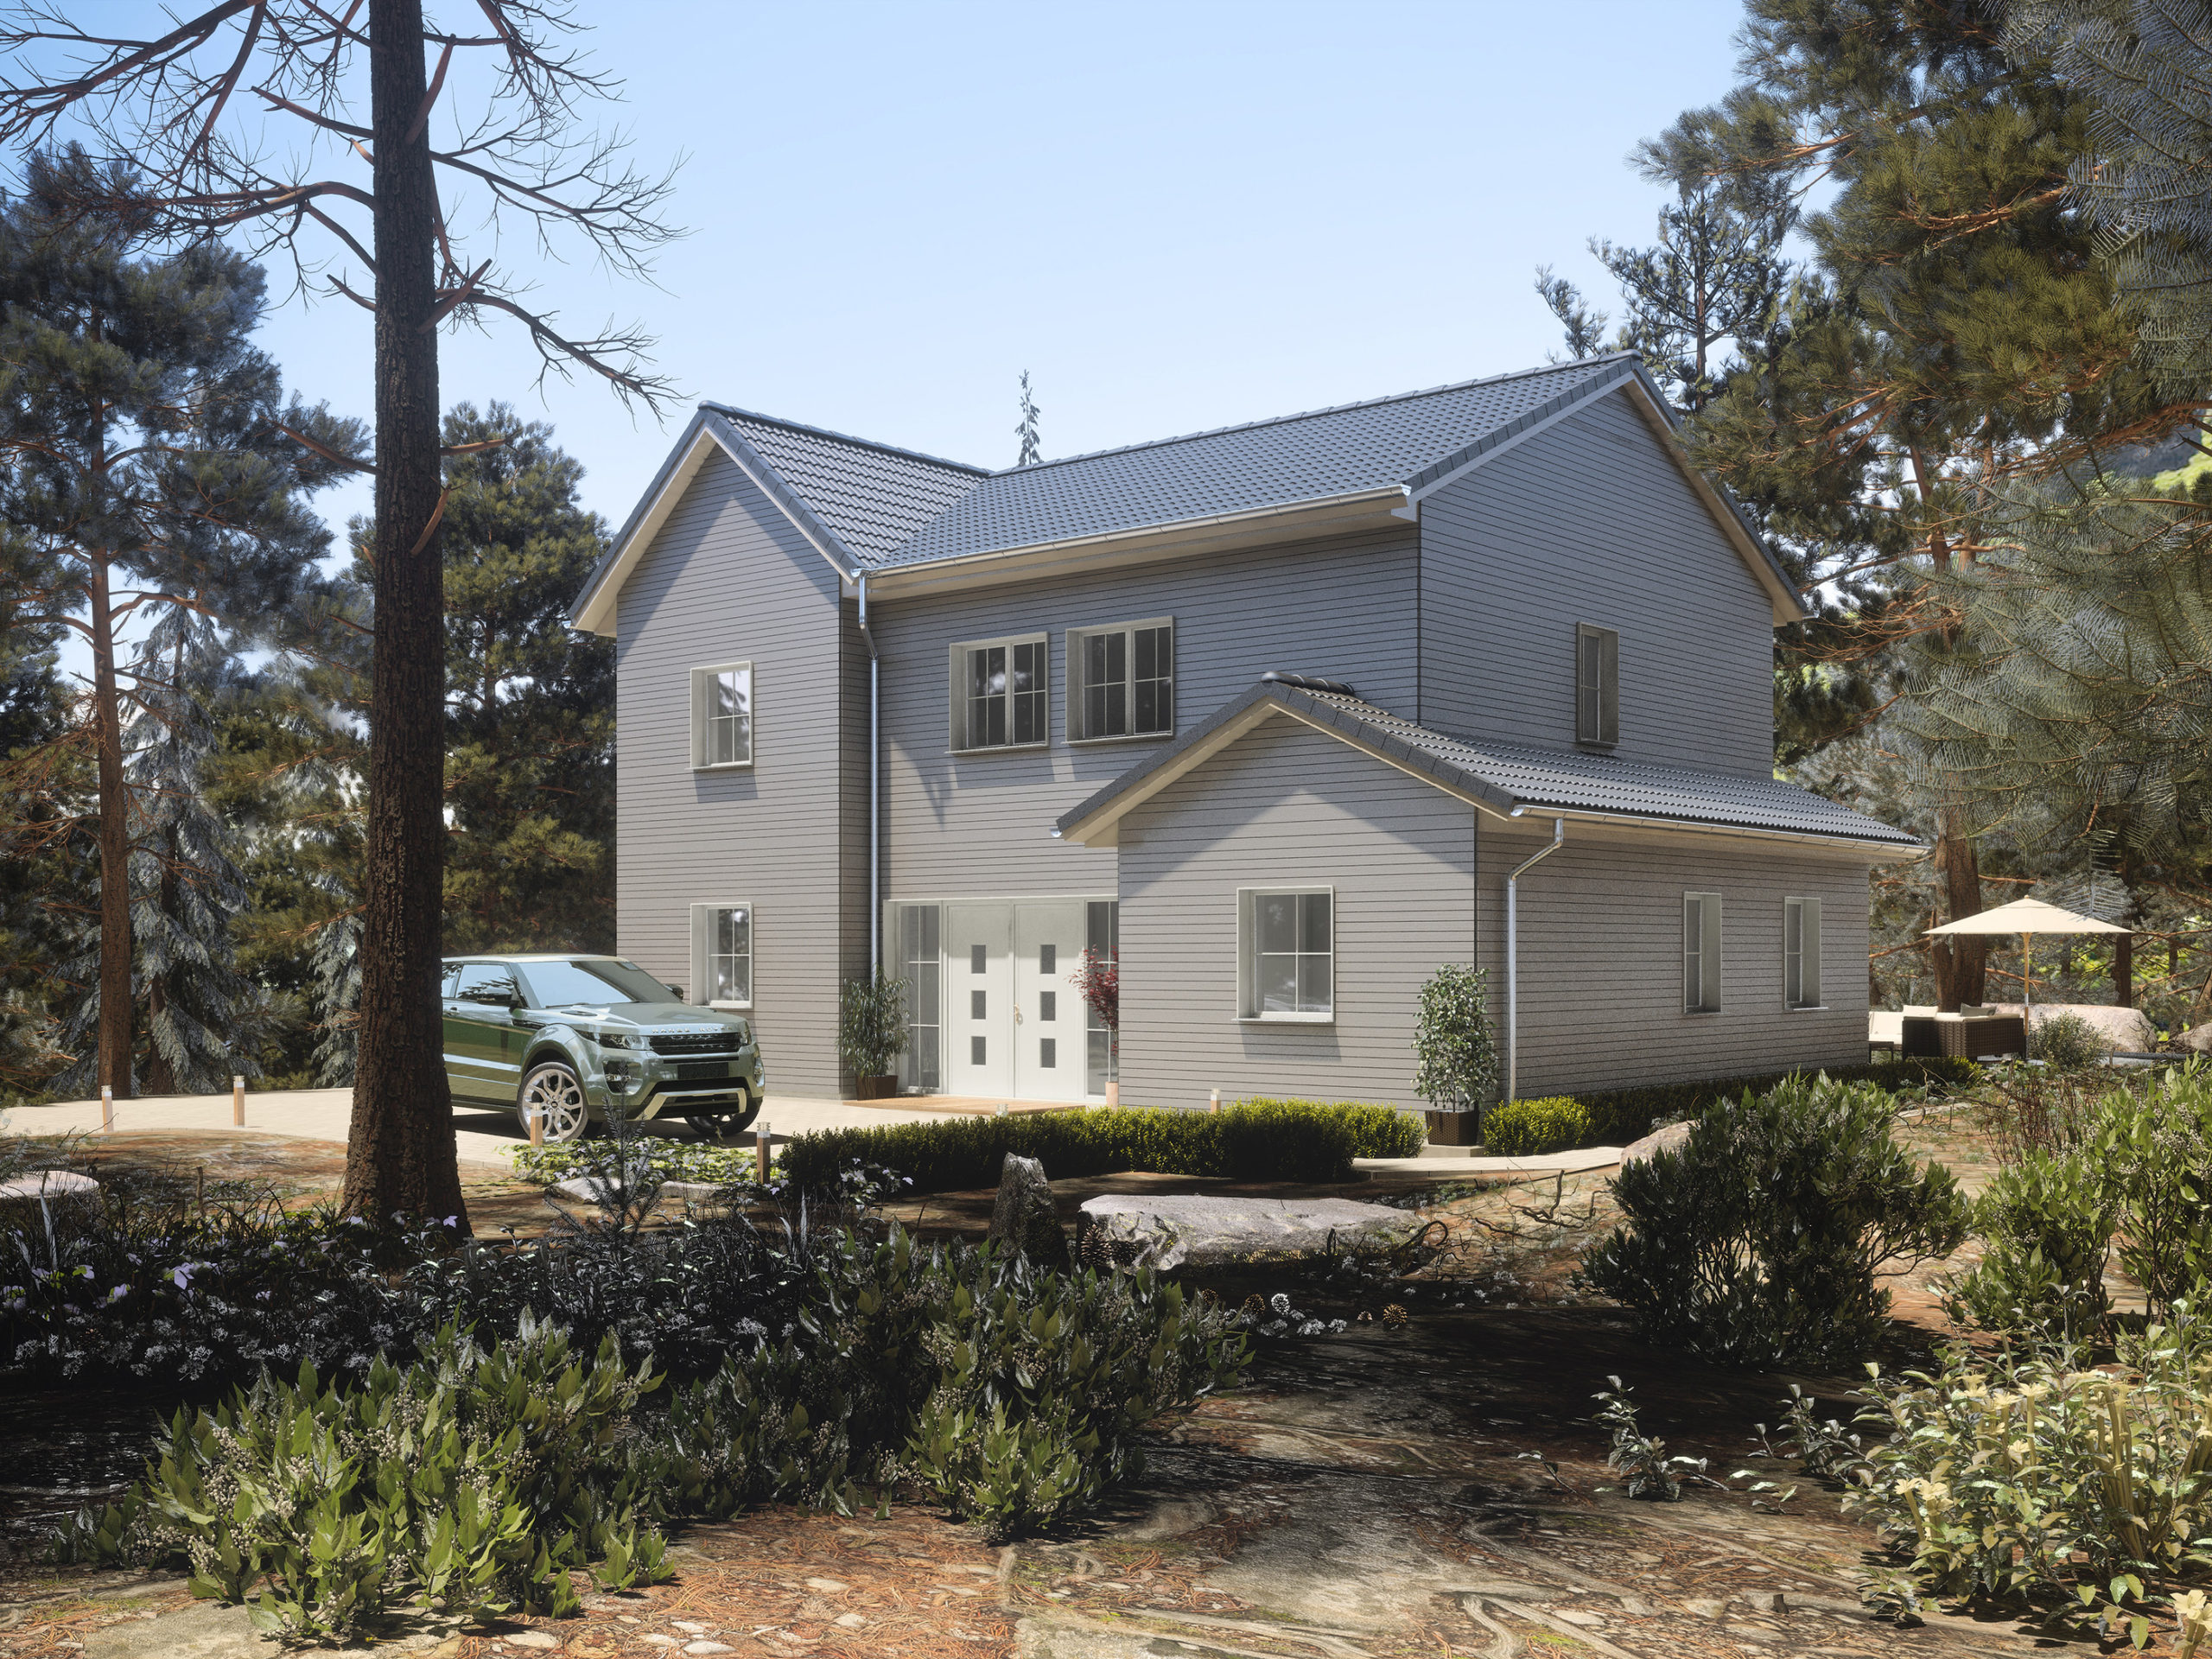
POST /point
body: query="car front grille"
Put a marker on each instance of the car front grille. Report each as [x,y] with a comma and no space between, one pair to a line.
[718,1042]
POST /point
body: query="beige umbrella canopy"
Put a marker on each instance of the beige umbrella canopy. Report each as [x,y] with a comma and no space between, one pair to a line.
[2027,917]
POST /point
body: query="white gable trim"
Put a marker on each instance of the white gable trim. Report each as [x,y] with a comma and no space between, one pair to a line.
[594,609]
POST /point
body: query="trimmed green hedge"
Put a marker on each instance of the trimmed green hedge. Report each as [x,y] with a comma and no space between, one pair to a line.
[1527,1128]
[1620,1115]
[1253,1140]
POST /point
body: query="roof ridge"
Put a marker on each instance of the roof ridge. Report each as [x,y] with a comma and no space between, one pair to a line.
[844,437]
[1312,414]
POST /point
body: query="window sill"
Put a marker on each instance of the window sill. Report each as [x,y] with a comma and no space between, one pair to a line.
[1124,737]
[726,765]
[1805,1008]
[730,1008]
[999,748]
[1701,1011]
[1287,1019]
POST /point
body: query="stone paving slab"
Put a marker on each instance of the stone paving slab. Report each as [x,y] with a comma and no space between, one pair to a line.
[1195,1230]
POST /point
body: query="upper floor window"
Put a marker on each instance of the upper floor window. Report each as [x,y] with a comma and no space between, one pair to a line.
[1800,953]
[721,716]
[1596,685]
[1000,693]
[1122,680]
[1701,953]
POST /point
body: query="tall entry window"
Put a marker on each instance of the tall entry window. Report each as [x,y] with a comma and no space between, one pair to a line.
[1103,935]
[1122,680]
[1000,695]
[921,966]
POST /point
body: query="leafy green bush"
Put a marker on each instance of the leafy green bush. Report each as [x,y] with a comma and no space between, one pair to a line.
[2023,1480]
[1620,1115]
[2154,1153]
[1455,1050]
[2046,1225]
[1523,1128]
[1253,1139]
[669,1160]
[1755,1242]
[2067,1042]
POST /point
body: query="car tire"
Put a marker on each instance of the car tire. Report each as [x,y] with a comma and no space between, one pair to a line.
[720,1128]
[554,1088]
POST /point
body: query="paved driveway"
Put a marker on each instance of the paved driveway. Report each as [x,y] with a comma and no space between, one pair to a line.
[483,1137]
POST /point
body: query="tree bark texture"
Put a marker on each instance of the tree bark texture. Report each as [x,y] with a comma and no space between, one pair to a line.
[116,953]
[400,1154]
[2123,969]
[1960,963]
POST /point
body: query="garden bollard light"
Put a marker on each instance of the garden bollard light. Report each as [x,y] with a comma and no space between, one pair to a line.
[538,1126]
[1001,1112]
[199,1188]
[1213,1101]
[237,1103]
[760,1150]
[107,1110]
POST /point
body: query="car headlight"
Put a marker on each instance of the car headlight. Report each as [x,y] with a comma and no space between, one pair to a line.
[615,1040]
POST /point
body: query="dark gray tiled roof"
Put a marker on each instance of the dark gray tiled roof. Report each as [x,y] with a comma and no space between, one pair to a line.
[873,497]
[1386,442]
[1507,775]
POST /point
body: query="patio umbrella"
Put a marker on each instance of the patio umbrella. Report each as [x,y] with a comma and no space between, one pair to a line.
[2027,917]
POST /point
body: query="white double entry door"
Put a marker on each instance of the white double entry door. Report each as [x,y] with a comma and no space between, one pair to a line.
[1014,1025]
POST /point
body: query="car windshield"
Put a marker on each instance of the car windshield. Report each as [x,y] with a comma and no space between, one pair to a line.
[560,984]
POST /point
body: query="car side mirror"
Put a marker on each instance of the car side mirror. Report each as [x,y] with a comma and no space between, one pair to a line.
[678,991]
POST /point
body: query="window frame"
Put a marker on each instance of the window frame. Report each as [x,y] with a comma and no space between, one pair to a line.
[956,735]
[1709,976]
[1801,906]
[1248,1011]
[699,720]
[1075,722]
[1600,647]
[702,978]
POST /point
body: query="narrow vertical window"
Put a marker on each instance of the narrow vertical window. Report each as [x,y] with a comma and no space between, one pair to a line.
[918,955]
[1596,685]
[1800,953]
[722,954]
[721,716]
[1103,940]
[1701,952]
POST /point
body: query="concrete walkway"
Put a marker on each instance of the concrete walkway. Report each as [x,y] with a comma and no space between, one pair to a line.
[1451,1161]
[483,1137]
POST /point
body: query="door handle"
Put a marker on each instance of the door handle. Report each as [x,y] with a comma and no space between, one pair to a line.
[1017,1014]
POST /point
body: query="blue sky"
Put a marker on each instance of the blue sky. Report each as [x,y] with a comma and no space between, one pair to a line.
[1174,216]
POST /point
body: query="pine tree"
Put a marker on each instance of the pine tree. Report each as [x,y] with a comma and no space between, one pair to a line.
[529,701]
[1584,328]
[1026,431]
[142,439]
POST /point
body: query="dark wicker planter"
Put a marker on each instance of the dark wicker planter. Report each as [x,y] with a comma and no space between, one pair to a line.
[882,1087]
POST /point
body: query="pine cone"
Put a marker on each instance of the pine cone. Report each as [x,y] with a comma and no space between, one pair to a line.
[1394,1315]
[1255,1306]
[1366,1317]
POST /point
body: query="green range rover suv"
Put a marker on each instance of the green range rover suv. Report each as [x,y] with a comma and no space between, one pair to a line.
[567,1035]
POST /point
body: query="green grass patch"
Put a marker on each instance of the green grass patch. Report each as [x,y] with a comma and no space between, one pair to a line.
[1252,1141]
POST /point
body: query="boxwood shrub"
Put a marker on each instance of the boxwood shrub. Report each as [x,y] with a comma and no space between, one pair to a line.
[1525,1129]
[1253,1139]
[1620,1115]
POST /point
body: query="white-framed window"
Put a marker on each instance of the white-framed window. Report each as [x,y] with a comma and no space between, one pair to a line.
[1122,680]
[721,717]
[722,954]
[1001,693]
[1286,953]
[1701,952]
[1800,953]
[1596,685]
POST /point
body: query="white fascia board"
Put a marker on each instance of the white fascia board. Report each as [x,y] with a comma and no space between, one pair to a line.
[1014,563]
[596,614]
[1878,851]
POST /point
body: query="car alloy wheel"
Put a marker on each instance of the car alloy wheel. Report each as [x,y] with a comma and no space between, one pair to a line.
[555,1090]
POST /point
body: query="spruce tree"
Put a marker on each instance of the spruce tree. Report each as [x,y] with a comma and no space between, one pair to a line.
[1025,429]
[148,455]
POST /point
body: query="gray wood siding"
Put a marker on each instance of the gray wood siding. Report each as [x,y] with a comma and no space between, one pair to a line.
[727,578]
[1601,957]
[1288,806]
[979,825]
[1590,521]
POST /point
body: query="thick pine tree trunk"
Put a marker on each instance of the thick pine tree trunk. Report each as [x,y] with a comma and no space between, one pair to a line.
[401,1155]
[1960,963]
[2123,969]
[114,1036]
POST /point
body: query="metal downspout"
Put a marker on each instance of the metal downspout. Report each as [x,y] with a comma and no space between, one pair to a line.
[1513,956]
[875,793]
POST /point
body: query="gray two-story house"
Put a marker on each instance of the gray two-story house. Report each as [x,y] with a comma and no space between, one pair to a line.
[1271,716]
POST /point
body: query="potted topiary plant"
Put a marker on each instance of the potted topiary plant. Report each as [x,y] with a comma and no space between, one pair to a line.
[1455,1054]
[871,1031]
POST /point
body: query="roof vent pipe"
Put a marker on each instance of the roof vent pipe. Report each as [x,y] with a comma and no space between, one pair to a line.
[875,794]
[1513,956]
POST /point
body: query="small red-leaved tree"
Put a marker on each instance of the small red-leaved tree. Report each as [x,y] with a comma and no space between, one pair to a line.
[1098,981]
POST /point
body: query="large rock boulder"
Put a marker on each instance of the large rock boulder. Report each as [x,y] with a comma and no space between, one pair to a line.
[1201,1229]
[2197,1039]
[1660,1140]
[1023,1215]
